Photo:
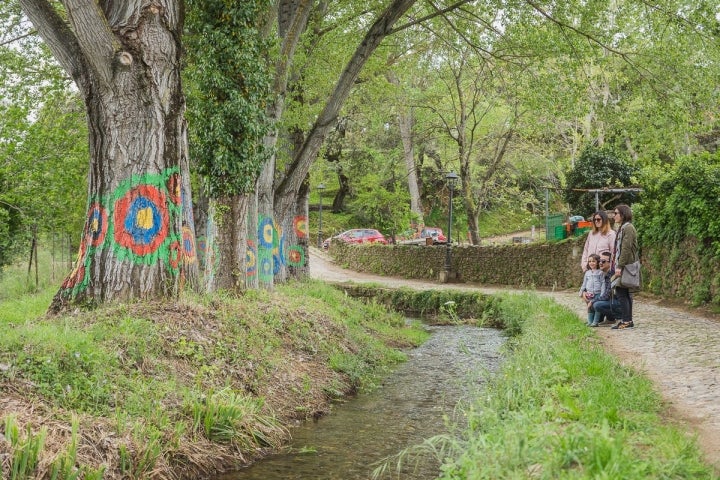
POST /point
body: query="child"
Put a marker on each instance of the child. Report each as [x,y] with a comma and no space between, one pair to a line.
[592,286]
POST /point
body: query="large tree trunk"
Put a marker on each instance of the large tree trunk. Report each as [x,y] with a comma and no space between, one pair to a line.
[125,59]
[230,214]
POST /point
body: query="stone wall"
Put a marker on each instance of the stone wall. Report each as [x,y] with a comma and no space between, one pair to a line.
[541,265]
[669,272]
[682,273]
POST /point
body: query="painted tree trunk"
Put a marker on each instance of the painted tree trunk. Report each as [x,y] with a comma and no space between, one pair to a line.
[251,277]
[125,59]
[292,258]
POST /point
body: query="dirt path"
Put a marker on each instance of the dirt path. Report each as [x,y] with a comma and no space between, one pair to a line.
[678,350]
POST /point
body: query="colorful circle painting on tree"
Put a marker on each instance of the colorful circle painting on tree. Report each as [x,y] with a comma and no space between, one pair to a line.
[175,255]
[97,224]
[251,259]
[300,226]
[278,253]
[265,233]
[189,250]
[77,279]
[266,268]
[141,219]
[296,256]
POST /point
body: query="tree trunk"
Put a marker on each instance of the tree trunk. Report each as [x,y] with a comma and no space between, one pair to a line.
[251,277]
[125,60]
[405,120]
[230,215]
[295,239]
[339,200]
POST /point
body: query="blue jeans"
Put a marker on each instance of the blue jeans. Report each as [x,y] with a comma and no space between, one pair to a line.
[612,309]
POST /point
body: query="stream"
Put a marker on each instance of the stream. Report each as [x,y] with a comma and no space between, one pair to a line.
[416,401]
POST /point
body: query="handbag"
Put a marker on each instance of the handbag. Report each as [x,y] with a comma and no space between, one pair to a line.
[630,277]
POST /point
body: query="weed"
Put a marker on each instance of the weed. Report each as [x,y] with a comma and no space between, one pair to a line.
[228,417]
[25,449]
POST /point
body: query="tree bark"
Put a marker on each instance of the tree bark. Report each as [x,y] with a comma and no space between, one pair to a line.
[125,60]
[230,215]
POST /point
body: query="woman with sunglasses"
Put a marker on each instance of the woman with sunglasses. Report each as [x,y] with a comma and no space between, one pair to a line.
[626,252]
[600,239]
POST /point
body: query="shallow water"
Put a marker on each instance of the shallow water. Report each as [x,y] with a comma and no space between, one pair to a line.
[415,402]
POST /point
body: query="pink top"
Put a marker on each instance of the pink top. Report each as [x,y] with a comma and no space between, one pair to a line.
[597,243]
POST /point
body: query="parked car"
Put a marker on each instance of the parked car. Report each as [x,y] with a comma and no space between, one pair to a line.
[358,235]
[425,236]
[435,233]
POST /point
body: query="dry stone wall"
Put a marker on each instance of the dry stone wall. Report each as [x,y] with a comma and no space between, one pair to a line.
[541,265]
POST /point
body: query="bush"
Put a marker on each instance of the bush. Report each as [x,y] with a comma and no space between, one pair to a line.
[598,168]
[683,203]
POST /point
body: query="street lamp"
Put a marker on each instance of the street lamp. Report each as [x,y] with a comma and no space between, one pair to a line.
[320,188]
[452,179]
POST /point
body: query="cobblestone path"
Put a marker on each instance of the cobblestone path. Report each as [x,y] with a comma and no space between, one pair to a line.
[678,350]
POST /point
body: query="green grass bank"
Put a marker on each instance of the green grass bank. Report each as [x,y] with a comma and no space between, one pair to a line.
[180,390]
[187,389]
[563,409]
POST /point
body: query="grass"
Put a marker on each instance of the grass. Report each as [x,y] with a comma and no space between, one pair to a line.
[562,408]
[195,385]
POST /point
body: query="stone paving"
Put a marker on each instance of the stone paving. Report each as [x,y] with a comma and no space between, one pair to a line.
[678,350]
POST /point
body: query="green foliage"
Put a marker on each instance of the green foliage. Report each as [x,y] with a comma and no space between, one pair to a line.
[43,140]
[228,91]
[683,202]
[384,208]
[599,168]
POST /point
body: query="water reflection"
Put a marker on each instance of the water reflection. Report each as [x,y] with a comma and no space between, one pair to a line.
[415,402]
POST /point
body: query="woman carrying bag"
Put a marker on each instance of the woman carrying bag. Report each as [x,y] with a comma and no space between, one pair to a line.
[626,253]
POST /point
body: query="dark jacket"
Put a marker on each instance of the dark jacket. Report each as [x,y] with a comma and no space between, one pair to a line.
[626,246]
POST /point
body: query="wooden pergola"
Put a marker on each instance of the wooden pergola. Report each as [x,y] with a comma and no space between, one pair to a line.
[598,191]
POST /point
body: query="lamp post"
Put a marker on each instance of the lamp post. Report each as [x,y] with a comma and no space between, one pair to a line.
[452,179]
[320,188]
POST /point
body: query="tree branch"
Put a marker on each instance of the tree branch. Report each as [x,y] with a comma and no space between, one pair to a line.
[430,16]
[55,32]
[93,35]
[20,37]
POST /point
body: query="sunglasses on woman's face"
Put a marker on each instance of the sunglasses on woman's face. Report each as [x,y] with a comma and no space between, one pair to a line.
[598,219]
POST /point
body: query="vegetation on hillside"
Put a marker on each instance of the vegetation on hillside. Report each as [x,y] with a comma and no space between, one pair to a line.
[180,389]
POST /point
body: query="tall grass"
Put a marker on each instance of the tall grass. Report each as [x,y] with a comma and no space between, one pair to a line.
[562,408]
[26,449]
